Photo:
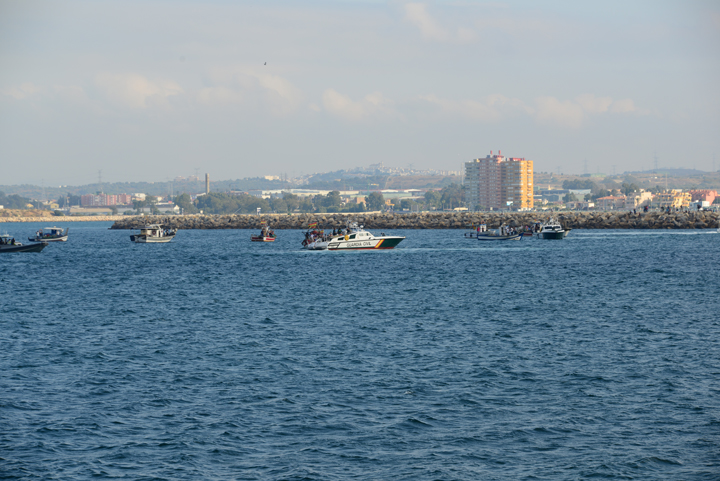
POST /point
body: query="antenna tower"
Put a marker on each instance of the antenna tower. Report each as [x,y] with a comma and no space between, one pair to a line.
[100,180]
[585,170]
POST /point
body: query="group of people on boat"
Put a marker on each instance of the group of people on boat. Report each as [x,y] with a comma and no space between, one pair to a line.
[316,235]
[7,241]
[267,232]
[507,230]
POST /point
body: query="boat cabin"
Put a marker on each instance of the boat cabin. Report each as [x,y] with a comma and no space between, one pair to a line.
[51,232]
[151,230]
[359,235]
[6,239]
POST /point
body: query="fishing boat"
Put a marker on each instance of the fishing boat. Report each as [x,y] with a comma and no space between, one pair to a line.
[8,244]
[552,230]
[266,235]
[501,234]
[153,234]
[357,238]
[50,234]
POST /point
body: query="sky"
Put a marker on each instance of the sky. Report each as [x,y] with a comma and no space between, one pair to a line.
[150,90]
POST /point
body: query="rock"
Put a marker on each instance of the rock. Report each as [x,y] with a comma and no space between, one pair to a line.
[429,220]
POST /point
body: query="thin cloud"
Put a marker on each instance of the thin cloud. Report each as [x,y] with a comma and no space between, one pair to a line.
[242,85]
[624,106]
[492,108]
[417,14]
[372,105]
[135,91]
[21,91]
[550,110]
[592,104]
[545,109]
[572,113]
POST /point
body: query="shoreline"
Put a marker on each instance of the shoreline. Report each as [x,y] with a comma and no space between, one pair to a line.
[432,220]
[59,219]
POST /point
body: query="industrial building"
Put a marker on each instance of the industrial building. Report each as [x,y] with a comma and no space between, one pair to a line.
[497,182]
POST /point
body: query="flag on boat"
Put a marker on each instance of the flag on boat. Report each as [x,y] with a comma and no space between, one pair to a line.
[311,225]
[263,222]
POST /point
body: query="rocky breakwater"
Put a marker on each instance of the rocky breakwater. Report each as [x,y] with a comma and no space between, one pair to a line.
[434,220]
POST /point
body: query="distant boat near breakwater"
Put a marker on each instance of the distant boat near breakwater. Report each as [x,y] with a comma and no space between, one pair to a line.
[434,220]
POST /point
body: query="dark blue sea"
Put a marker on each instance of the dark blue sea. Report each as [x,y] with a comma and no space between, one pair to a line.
[214,358]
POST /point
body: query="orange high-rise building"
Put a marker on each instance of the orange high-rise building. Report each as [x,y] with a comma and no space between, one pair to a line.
[499,183]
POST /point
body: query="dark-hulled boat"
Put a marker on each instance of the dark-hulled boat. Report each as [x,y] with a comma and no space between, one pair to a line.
[8,244]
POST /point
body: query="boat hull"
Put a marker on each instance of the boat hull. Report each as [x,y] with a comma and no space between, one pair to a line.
[379,243]
[256,238]
[25,248]
[515,237]
[48,239]
[141,239]
[317,246]
[552,235]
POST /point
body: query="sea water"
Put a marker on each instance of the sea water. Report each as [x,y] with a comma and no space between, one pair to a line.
[212,357]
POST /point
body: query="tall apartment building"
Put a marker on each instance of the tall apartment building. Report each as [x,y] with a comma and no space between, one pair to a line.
[92,200]
[499,183]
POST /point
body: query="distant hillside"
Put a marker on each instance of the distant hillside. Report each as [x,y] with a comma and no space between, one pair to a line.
[154,188]
[339,180]
[671,172]
[676,179]
[376,182]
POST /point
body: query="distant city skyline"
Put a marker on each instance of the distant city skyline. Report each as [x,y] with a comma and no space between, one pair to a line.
[153,90]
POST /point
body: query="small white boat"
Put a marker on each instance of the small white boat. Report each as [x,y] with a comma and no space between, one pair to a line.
[50,234]
[317,245]
[552,230]
[153,234]
[315,239]
[266,235]
[263,238]
[502,234]
[494,236]
[356,238]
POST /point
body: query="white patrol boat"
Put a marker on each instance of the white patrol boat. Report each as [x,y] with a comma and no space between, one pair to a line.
[552,230]
[152,234]
[356,238]
[50,234]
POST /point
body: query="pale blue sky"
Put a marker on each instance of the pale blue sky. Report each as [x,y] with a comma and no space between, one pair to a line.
[151,90]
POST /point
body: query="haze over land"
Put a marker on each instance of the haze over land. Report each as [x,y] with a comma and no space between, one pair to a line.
[154,90]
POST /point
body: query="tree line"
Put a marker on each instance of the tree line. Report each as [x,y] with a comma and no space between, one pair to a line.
[223,203]
[13,201]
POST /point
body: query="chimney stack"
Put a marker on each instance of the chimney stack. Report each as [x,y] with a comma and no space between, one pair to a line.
[207,183]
